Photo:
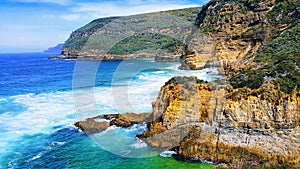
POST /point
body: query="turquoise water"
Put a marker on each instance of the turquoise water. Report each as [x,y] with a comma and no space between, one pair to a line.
[40,101]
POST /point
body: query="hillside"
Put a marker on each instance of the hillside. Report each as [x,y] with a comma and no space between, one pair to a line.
[54,49]
[131,36]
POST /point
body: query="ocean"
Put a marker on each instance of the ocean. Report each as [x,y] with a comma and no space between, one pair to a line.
[41,99]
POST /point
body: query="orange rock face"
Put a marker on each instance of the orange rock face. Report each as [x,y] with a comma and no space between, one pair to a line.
[240,127]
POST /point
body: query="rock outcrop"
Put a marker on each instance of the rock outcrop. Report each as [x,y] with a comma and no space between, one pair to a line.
[100,123]
[240,127]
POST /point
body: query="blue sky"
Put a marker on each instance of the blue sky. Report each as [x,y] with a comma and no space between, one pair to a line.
[34,25]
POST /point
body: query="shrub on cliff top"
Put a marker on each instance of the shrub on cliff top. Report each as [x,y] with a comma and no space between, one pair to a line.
[285,12]
[252,79]
[184,80]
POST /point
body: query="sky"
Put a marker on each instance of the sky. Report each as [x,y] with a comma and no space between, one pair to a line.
[35,25]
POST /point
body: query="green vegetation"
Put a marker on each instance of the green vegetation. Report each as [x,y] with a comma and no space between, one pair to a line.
[136,43]
[213,18]
[227,14]
[279,59]
[75,43]
[184,80]
[95,25]
[79,37]
[250,78]
[284,12]
[209,29]
[188,14]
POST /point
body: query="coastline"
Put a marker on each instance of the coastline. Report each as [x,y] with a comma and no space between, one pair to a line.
[216,86]
[252,121]
[165,58]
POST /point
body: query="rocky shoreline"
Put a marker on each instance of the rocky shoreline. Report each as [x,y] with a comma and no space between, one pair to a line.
[158,58]
[99,58]
[213,122]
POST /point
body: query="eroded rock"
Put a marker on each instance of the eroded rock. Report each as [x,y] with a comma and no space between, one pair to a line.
[102,122]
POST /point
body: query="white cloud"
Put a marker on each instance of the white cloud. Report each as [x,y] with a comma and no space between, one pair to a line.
[70,17]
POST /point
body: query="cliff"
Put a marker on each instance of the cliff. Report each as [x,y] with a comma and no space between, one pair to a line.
[252,42]
[239,29]
[241,127]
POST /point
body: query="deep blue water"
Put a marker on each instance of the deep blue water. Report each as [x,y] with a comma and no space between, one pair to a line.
[33,73]
[41,99]
[24,73]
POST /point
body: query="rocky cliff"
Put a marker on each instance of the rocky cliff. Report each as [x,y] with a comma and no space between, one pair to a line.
[238,29]
[243,128]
